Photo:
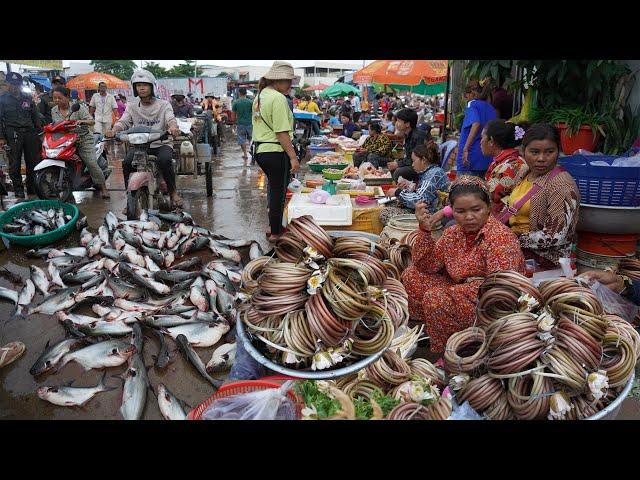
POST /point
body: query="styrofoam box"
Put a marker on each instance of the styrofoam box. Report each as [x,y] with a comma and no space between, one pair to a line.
[341,214]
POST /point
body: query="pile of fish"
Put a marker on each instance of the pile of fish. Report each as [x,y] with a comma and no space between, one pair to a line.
[36,222]
[133,275]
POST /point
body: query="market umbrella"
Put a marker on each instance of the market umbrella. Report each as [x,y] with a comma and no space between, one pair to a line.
[422,88]
[400,73]
[90,81]
[339,90]
[320,86]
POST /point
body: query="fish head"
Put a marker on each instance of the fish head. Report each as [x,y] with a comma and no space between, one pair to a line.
[40,367]
[124,352]
[45,392]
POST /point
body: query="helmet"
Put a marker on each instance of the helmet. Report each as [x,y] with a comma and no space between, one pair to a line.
[143,76]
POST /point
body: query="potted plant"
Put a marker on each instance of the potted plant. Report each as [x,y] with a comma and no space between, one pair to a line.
[579,128]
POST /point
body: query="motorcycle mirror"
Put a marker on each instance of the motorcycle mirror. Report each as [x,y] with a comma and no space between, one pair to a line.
[75,107]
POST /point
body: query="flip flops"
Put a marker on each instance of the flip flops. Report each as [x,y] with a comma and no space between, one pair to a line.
[11,352]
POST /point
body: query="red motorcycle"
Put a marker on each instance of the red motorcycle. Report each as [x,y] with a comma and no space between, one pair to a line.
[61,171]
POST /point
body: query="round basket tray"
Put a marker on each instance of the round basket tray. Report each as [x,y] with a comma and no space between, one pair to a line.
[332,175]
[44,238]
[599,262]
[319,167]
[611,411]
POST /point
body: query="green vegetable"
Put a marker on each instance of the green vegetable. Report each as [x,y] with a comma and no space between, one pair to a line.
[364,410]
[386,403]
[312,396]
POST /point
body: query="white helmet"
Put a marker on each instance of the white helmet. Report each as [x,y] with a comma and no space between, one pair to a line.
[143,76]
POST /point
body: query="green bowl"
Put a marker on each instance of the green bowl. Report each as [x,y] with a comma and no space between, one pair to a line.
[332,176]
[44,238]
[319,167]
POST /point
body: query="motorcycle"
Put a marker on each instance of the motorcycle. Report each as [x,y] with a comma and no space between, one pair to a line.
[61,170]
[301,137]
[146,189]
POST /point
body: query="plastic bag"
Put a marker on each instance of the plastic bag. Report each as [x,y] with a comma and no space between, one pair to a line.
[268,404]
[614,303]
[295,186]
[626,162]
[464,412]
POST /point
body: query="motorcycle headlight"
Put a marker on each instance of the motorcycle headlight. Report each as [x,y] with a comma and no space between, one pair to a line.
[53,152]
[138,138]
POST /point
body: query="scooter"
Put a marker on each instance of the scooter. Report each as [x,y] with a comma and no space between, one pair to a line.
[61,170]
[146,189]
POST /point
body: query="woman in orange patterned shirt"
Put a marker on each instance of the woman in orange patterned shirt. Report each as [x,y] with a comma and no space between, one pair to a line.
[445,276]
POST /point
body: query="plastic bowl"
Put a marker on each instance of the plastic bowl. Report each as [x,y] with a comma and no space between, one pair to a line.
[319,167]
[332,175]
[44,238]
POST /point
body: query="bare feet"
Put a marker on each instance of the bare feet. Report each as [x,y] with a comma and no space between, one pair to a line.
[176,201]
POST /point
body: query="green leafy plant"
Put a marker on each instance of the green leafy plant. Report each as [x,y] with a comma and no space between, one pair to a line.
[574,118]
[364,410]
[123,69]
[313,397]
[621,132]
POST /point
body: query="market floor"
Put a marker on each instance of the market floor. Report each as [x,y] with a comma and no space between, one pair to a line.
[237,210]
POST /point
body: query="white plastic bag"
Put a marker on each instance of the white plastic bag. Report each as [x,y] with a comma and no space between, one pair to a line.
[626,162]
[268,404]
[464,412]
[613,303]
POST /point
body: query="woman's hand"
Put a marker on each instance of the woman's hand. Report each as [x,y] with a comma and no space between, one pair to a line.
[608,279]
[393,192]
[392,166]
[423,216]
[295,164]
[465,158]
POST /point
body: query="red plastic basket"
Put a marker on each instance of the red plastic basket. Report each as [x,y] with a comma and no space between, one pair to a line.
[246,386]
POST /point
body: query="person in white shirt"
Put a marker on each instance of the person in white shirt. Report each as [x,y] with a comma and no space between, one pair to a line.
[103,107]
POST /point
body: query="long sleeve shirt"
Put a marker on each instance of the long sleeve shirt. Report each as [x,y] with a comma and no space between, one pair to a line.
[415,137]
[157,115]
[18,112]
[381,145]
[429,182]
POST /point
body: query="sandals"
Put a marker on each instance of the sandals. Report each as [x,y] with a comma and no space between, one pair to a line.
[11,352]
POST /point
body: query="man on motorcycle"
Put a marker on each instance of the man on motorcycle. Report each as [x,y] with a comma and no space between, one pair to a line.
[152,112]
[180,106]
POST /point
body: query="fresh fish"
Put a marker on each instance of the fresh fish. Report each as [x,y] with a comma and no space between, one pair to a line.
[200,334]
[194,262]
[122,289]
[167,321]
[190,354]
[172,240]
[48,360]
[174,276]
[103,233]
[143,272]
[198,316]
[235,243]
[233,276]
[38,253]
[9,294]
[105,299]
[162,241]
[126,271]
[111,353]
[92,266]
[222,359]
[129,318]
[255,251]
[186,285]
[212,294]
[111,253]
[154,254]
[114,328]
[72,267]
[137,340]
[144,216]
[106,313]
[80,277]
[131,256]
[221,280]
[134,392]
[85,237]
[186,230]
[78,320]
[54,274]
[177,298]
[169,258]
[139,225]
[151,265]
[94,246]
[82,223]
[193,245]
[110,264]
[170,407]
[130,306]
[131,239]
[61,300]
[40,279]
[111,221]
[60,221]
[150,238]
[183,239]
[95,280]
[118,241]
[173,217]
[26,296]
[226,302]
[74,252]
[221,250]
[66,260]
[196,295]
[98,290]
[163,358]
[72,396]
[184,310]
[73,331]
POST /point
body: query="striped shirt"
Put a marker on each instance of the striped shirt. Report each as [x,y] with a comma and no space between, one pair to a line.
[429,182]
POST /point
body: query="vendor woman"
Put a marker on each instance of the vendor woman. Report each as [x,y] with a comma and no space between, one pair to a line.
[546,222]
[376,149]
[431,180]
[446,274]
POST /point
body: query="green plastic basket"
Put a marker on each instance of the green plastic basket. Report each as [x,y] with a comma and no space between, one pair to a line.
[332,176]
[318,167]
[44,238]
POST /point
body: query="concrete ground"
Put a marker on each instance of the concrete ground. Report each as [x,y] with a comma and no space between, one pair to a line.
[237,210]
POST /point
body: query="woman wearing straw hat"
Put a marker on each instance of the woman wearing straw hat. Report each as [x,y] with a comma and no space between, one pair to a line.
[272,134]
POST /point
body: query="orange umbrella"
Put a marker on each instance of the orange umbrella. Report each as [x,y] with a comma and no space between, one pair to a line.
[403,72]
[320,86]
[90,81]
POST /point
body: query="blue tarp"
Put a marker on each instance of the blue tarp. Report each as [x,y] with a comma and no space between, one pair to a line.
[44,81]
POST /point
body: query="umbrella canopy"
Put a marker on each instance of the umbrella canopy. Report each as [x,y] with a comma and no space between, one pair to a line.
[421,89]
[90,81]
[320,86]
[339,90]
[403,72]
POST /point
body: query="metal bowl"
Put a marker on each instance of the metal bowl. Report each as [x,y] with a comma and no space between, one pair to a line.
[611,412]
[611,220]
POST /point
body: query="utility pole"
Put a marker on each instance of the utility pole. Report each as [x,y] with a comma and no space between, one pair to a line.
[195,69]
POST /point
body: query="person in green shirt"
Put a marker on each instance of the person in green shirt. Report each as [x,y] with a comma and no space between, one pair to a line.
[272,135]
[242,107]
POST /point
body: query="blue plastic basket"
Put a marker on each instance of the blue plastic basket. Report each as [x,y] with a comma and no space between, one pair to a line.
[317,149]
[600,185]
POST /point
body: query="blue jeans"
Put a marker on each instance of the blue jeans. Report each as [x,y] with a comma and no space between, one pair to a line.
[244,133]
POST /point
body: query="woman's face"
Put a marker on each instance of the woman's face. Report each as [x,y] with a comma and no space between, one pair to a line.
[344,120]
[373,133]
[541,156]
[60,100]
[402,126]
[283,86]
[470,212]
[487,145]
[418,163]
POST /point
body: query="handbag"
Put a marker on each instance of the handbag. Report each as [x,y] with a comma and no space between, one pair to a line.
[508,212]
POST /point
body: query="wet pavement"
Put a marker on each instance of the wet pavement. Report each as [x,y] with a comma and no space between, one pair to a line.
[237,210]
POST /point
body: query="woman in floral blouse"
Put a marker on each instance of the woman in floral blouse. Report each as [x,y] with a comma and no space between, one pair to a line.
[501,140]
[446,274]
[546,223]
[376,149]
